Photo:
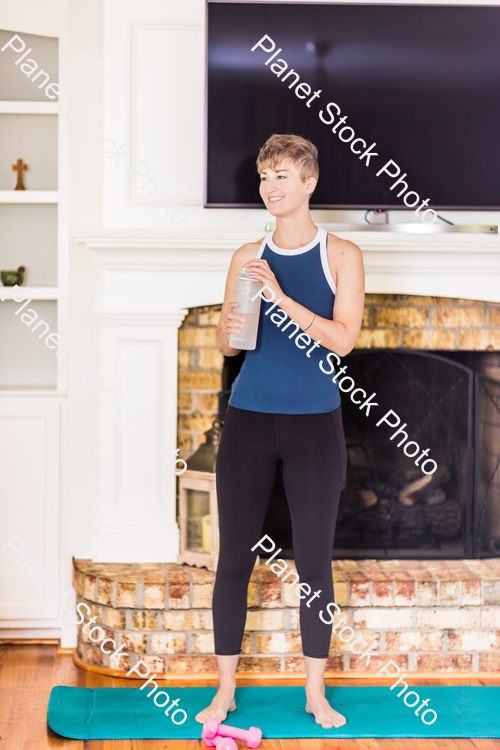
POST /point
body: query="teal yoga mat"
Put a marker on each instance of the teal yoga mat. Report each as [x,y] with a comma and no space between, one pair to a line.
[127,713]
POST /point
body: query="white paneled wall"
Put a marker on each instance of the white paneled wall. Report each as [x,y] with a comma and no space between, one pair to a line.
[174,119]
[138,522]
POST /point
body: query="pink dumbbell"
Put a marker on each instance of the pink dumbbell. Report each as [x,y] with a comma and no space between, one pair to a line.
[212,728]
[223,743]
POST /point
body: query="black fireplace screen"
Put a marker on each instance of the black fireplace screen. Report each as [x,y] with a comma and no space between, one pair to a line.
[388,506]
[487,468]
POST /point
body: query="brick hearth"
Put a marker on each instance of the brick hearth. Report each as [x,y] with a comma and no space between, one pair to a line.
[427,616]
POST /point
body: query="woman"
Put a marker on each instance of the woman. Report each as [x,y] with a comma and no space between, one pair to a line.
[284,408]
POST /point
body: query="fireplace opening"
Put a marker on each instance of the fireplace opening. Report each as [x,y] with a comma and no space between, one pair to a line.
[389,508]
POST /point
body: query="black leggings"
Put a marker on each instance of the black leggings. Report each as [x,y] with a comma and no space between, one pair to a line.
[312,448]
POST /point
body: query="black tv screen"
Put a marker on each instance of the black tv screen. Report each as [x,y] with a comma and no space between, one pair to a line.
[421,82]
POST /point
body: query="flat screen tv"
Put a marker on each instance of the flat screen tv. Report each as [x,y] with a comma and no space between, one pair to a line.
[421,82]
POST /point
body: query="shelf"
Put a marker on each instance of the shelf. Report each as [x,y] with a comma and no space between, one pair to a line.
[9,392]
[31,292]
[29,108]
[29,196]
[411,228]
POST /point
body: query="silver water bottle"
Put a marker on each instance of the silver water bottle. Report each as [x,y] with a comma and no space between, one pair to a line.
[246,288]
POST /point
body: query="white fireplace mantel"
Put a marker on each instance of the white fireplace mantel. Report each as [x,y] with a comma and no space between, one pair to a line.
[448,265]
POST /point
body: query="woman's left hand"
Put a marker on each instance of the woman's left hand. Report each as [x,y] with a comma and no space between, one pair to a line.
[259,269]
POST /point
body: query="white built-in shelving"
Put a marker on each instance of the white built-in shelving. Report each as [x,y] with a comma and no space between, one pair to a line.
[26,197]
[33,379]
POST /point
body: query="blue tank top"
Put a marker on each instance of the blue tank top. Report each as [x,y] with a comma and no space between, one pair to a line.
[278,377]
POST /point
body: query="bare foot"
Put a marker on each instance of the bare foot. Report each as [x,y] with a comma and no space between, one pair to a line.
[222,703]
[318,706]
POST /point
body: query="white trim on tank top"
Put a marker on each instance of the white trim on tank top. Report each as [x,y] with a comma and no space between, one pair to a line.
[324,261]
[262,246]
[321,235]
[297,250]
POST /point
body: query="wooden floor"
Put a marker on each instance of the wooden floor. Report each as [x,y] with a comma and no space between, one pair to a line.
[28,673]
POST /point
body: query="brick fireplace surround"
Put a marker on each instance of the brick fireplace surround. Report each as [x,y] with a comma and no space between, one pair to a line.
[389,321]
[432,616]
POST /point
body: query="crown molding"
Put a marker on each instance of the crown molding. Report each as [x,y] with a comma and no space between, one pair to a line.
[220,239]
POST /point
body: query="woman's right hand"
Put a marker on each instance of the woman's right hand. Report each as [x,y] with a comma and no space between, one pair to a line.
[232,323]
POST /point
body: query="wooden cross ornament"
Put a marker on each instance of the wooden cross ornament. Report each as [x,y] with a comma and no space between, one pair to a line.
[19,167]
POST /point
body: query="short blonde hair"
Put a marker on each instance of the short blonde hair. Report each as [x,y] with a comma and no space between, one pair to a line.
[300,151]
